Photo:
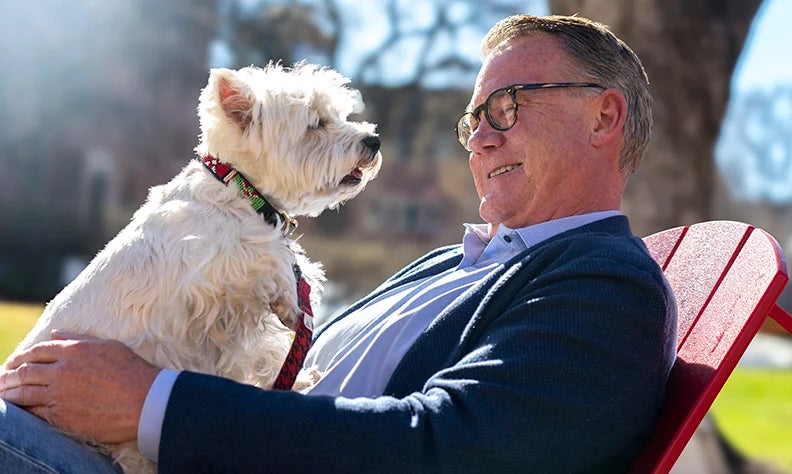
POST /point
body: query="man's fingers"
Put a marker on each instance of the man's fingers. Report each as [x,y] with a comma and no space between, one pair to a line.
[89,385]
[58,335]
[26,395]
[26,374]
[45,352]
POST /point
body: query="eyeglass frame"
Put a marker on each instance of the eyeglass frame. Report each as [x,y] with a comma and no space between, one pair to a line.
[512,90]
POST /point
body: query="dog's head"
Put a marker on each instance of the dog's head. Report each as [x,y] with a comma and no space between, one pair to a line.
[286,130]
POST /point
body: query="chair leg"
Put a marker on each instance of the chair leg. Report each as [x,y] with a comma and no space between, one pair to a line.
[781,317]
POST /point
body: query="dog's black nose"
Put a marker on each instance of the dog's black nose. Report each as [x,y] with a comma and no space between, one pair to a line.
[373,142]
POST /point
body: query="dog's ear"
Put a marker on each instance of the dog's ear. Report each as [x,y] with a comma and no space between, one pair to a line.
[233,96]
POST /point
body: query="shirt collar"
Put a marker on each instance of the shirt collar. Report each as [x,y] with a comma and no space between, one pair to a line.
[478,248]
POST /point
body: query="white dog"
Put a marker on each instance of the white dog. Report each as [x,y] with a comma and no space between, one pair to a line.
[199,279]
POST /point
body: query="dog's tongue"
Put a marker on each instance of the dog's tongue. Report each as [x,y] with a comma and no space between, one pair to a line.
[353,178]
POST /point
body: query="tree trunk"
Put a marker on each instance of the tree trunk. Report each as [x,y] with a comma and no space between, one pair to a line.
[689,50]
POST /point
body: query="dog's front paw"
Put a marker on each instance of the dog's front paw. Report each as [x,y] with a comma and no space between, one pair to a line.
[307,377]
[287,312]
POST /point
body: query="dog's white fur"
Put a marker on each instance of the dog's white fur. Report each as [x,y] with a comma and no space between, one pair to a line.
[195,280]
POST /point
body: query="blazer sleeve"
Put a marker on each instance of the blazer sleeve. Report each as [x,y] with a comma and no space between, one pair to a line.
[565,375]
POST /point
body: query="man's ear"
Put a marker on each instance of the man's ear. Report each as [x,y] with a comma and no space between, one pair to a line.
[611,114]
[233,96]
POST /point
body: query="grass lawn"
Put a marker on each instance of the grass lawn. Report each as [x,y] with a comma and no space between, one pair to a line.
[16,319]
[754,410]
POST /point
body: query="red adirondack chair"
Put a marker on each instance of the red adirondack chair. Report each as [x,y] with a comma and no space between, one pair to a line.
[727,277]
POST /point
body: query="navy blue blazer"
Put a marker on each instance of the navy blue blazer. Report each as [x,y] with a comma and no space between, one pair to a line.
[556,362]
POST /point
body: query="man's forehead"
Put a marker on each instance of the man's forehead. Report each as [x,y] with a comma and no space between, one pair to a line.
[537,57]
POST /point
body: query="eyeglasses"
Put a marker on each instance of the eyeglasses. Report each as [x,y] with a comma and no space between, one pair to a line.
[500,108]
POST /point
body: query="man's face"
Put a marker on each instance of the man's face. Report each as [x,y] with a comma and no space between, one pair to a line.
[541,168]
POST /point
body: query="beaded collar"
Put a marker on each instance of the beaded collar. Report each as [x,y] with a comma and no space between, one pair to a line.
[226,174]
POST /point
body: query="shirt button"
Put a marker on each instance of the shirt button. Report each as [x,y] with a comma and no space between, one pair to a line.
[507,238]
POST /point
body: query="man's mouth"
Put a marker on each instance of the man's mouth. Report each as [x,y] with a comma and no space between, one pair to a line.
[503,169]
[353,178]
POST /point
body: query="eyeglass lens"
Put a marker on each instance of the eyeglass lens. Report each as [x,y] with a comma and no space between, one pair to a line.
[501,110]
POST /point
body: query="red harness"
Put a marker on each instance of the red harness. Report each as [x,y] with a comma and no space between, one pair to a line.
[302,337]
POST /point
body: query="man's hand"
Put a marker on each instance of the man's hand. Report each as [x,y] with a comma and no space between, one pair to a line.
[88,386]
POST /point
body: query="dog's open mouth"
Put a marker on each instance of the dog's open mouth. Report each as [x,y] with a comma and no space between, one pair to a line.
[353,178]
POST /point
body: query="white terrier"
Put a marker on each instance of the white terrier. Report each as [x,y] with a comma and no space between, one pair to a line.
[199,279]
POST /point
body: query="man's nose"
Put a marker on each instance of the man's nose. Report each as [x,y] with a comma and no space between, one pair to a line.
[484,136]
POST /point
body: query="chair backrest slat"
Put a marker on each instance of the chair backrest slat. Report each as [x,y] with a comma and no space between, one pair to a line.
[663,245]
[699,263]
[726,277]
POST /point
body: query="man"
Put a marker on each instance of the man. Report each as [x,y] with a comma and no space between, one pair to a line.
[542,344]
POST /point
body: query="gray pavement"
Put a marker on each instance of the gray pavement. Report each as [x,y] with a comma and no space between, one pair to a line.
[768,351]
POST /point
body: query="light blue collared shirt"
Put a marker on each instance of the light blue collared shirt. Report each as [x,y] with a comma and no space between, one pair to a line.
[358,354]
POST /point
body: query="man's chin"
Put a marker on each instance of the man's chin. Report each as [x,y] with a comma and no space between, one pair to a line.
[489,215]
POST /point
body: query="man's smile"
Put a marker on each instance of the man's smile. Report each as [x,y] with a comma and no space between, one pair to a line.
[503,169]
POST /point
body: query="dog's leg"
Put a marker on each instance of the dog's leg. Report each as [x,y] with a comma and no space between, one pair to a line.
[287,311]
